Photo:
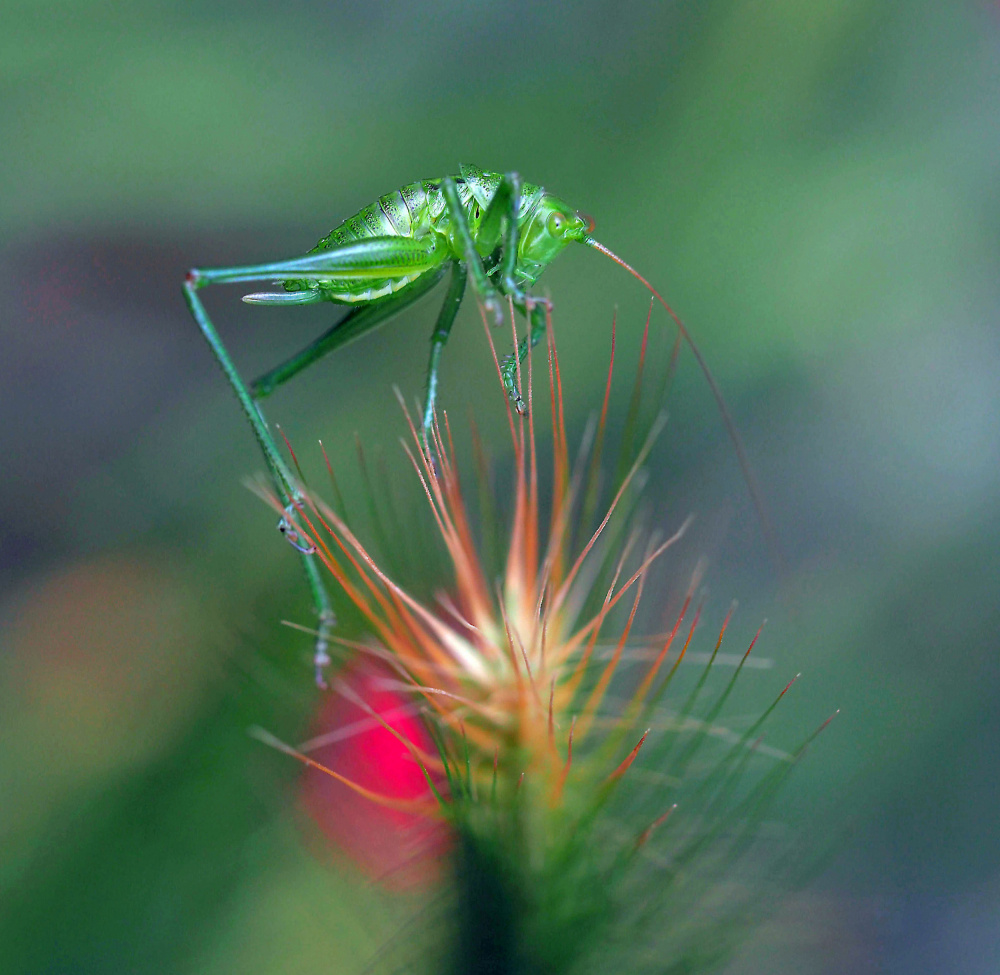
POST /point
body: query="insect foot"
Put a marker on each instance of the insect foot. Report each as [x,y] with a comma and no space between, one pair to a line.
[493,307]
[321,655]
[288,529]
[531,303]
[508,369]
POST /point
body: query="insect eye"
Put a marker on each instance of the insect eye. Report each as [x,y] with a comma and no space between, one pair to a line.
[556,224]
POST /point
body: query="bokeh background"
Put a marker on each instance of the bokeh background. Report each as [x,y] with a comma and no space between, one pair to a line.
[814,183]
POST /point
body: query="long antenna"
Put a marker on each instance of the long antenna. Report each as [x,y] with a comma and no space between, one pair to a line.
[727,419]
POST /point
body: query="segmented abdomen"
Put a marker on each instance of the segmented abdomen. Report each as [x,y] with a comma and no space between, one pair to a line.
[406,212]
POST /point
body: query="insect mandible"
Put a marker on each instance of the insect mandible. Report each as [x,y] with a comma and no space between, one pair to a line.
[492,227]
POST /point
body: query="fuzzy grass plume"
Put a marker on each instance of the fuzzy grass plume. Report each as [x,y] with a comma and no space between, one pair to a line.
[595,821]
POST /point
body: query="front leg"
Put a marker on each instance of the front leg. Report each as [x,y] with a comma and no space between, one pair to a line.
[506,202]
[537,312]
[491,299]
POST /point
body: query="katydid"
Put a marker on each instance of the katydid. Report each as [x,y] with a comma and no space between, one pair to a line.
[492,227]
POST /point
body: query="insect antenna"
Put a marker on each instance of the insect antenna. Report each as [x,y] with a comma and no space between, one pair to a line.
[727,419]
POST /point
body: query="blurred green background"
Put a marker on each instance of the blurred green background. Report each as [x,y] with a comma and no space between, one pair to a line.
[814,185]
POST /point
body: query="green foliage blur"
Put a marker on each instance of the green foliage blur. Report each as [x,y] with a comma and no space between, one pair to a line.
[812,183]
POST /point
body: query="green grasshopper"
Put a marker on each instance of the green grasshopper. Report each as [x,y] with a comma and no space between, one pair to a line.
[493,227]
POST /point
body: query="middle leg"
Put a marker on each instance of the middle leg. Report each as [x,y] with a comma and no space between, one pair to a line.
[442,329]
[506,202]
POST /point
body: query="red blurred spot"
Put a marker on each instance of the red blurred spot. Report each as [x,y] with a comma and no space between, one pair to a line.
[399,849]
